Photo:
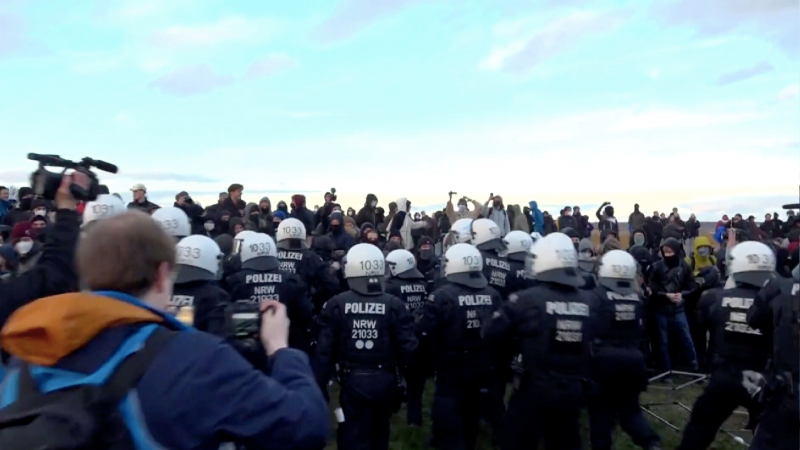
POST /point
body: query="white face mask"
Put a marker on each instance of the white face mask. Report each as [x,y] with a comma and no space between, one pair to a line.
[374,204]
[208,226]
[40,212]
[462,208]
[23,247]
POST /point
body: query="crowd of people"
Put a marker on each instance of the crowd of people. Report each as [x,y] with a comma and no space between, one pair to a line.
[246,313]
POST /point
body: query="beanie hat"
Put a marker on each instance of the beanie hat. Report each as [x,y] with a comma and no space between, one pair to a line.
[280,214]
[21,230]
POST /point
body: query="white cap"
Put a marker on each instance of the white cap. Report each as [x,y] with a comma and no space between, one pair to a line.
[138,187]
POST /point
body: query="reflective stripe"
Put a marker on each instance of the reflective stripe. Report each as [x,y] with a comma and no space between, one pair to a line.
[134,419]
[9,388]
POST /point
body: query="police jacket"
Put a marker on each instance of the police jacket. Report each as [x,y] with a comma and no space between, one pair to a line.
[363,332]
[518,280]
[253,286]
[552,323]
[776,308]
[207,301]
[663,280]
[619,319]
[723,312]
[497,271]
[432,271]
[452,319]
[412,292]
[313,271]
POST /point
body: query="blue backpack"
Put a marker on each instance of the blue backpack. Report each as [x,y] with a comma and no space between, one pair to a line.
[49,408]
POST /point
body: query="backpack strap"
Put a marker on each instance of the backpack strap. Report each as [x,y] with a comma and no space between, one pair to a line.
[132,368]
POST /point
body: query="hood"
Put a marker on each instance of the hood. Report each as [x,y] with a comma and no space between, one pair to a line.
[517,210]
[370,198]
[402,204]
[702,241]
[610,244]
[639,231]
[269,203]
[366,226]
[299,201]
[47,330]
[673,244]
[233,222]
[585,244]
[249,208]
[338,216]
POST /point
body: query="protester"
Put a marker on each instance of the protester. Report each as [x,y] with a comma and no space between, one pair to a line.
[367,213]
[302,213]
[140,200]
[5,203]
[692,232]
[520,223]
[407,225]
[636,219]
[497,214]
[607,221]
[565,220]
[234,203]
[463,211]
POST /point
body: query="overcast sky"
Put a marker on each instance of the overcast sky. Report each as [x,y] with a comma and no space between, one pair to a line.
[681,103]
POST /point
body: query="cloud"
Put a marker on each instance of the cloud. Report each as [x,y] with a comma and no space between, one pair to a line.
[744,73]
[230,30]
[791,92]
[522,55]
[8,177]
[772,20]
[270,65]
[157,175]
[191,80]
[352,16]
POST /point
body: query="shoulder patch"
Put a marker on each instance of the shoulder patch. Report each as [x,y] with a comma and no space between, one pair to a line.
[431,298]
[325,305]
[513,298]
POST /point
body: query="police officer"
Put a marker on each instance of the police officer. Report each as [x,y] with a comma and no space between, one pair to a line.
[174,221]
[552,323]
[465,372]
[618,364]
[739,351]
[518,244]
[295,257]
[776,311]
[260,279]
[496,269]
[197,299]
[408,284]
[233,262]
[369,334]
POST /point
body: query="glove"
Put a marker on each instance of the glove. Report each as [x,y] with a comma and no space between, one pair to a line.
[336,266]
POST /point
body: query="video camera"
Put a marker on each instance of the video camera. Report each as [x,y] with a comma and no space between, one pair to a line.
[46,183]
[333,194]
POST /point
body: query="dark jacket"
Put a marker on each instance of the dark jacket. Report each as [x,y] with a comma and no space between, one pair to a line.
[53,274]
[549,225]
[187,399]
[663,279]
[567,222]
[636,220]
[367,213]
[339,238]
[692,228]
[195,213]
[235,209]
[303,214]
[768,227]
[654,230]
[606,219]
[145,205]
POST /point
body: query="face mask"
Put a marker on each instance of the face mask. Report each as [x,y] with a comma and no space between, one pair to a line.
[336,211]
[373,204]
[225,219]
[23,247]
[638,239]
[462,208]
[497,204]
[336,229]
[704,251]
[40,212]
[25,203]
[426,253]
[208,226]
[568,213]
[372,241]
[586,266]
[671,261]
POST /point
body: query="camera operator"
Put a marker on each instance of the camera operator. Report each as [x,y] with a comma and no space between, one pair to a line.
[323,214]
[192,210]
[196,391]
[55,271]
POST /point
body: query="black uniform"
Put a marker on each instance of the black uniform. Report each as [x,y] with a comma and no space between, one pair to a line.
[207,301]
[738,352]
[465,373]
[413,293]
[519,278]
[497,271]
[777,308]
[253,286]
[314,272]
[371,338]
[552,323]
[618,369]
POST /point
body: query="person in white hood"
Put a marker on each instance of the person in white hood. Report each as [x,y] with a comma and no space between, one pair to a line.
[403,205]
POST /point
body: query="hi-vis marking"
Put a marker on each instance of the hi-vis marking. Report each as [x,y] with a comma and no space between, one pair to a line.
[568,309]
[474,300]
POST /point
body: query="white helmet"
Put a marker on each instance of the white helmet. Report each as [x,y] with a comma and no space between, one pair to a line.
[751,263]
[198,258]
[258,252]
[461,232]
[554,259]
[364,269]
[463,264]
[174,221]
[104,207]
[518,242]
[618,270]
[402,264]
[536,236]
[486,235]
[239,238]
[291,234]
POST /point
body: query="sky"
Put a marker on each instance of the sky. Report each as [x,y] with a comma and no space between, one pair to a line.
[668,103]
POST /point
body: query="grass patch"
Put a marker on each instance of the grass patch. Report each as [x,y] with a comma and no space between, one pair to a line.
[404,437]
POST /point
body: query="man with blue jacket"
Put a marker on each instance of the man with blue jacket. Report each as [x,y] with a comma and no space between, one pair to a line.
[197,392]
